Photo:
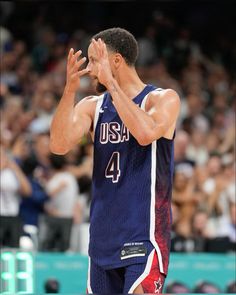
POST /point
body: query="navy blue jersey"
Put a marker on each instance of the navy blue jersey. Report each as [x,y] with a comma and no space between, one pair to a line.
[130,210]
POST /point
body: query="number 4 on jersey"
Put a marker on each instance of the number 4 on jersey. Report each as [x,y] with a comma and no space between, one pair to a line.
[113,167]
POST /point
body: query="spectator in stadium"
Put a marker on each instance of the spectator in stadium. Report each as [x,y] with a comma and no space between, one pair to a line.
[227,184]
[183,195]
[52,286]
[182,140]
[212,183]
[206,287]
[40,150]
[63,191]
[200,230]
[177,287]
[147,47]
[32,207]
[44,109]
[14,184]
[231,288]
[227,226]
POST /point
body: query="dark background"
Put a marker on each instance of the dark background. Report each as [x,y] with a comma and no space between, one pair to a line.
[211,22]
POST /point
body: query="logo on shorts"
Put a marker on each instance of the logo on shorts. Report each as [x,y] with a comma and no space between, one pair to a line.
[158,286]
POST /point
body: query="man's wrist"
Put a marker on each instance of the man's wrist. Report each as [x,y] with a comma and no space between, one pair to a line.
[69,90]
[112,85]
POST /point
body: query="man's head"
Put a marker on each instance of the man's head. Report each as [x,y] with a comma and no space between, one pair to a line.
[122,50]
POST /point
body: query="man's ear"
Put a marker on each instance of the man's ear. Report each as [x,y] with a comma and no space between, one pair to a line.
[117,60]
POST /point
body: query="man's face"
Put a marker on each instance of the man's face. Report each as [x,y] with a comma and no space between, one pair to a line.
[93,67]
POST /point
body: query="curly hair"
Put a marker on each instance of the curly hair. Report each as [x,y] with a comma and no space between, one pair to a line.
[121,41]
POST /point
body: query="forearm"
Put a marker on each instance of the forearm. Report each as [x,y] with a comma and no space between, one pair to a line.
[139,123]
[62,124]
[62,137]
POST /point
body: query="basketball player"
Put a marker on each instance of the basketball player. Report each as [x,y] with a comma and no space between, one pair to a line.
[132,125]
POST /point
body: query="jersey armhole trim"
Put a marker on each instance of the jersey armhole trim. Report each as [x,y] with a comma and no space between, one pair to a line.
[96,115]
[143,104]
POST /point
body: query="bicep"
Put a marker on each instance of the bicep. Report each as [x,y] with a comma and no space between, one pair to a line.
[82,124]
[82,119]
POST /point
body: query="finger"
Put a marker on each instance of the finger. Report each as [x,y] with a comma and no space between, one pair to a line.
[94,42]
[100,45]
[70,57]
[100,41]
[77,75]
[83,72]
[96,46]
[79,63]
[105,52]
[77,54]
[103,49]
[71,52]
[75,57]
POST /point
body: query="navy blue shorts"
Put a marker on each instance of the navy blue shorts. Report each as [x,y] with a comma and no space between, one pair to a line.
[126,279]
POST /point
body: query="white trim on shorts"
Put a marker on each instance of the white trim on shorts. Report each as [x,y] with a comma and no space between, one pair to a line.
[144,274]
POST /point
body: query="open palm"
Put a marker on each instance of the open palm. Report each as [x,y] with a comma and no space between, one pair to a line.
[104,73]
[74,63]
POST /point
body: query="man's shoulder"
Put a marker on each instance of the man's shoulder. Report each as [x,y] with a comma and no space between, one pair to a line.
[161,92]
[160,95]
[93,98]
[88,104]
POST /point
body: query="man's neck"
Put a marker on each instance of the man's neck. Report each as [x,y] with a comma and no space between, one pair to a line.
[130,83]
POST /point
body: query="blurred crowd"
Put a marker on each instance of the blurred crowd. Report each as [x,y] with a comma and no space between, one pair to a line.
[35,182]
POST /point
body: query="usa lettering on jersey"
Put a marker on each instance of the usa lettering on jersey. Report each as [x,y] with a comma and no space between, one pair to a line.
[113,132]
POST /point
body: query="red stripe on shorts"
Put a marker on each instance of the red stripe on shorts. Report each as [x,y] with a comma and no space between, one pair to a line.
[154,282]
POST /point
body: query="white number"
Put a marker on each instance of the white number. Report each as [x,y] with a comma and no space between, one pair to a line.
[113,167]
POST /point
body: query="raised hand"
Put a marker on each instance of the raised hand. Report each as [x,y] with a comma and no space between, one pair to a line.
[104,73]
[74,63]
